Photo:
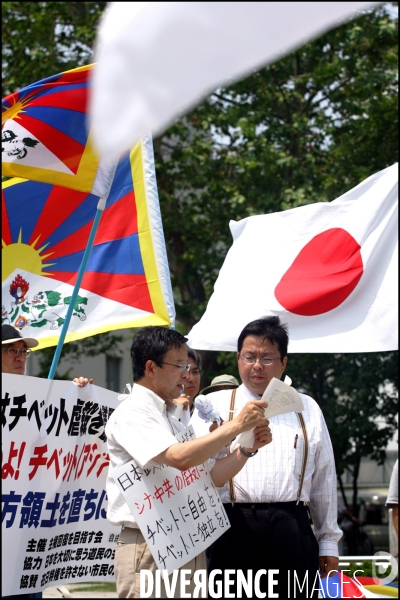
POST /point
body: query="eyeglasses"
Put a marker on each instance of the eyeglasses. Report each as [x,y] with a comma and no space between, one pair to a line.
[15,351]
[182,368]
[265,361]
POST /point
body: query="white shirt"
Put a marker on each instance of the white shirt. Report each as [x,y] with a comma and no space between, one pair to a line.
[393,494]
[273,474]
[139,429]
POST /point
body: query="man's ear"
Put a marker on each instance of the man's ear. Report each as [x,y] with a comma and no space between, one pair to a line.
[284,364]
[149,368]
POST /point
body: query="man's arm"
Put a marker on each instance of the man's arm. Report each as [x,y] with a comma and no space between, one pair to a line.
[393,497]
[395,516]
[327,564]
[195,452]
[323,495]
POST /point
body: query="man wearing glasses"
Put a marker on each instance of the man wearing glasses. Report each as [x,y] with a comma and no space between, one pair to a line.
[143,428]
[266,501]
[14,350]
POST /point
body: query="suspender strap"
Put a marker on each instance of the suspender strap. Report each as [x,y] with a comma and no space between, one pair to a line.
[305,454]
[231,411]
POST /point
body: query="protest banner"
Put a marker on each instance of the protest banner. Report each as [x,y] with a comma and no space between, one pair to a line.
[179,513]
[54,468]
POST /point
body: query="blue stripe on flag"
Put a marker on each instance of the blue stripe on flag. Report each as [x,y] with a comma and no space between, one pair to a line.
[119,257]
[29,207]
[71,123]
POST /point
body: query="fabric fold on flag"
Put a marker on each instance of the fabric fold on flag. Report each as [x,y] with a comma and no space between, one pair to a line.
[45,229]
[329,270]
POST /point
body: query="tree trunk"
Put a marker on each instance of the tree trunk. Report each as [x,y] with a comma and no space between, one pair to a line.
[356,471]
[342,491]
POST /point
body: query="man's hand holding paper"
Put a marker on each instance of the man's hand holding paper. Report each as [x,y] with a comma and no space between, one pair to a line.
[281,398]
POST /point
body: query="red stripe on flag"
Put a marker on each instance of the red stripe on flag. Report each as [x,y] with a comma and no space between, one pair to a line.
[64,147]
[113,226]
[119,220]
[70,99]
[59,206]
[76,76]
[131,290]
[5,225]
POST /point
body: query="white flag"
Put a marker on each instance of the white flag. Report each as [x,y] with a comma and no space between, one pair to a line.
[161,58]
[329,270]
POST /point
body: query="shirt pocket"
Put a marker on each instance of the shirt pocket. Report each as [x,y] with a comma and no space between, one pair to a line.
[298,456]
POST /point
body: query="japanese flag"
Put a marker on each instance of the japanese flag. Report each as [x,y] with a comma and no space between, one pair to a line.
[329,270]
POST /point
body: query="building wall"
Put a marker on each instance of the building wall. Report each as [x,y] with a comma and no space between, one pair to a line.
[374,478]
[111,370]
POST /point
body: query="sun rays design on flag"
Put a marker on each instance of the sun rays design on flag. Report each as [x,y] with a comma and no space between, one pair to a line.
[45,230]
[28,257]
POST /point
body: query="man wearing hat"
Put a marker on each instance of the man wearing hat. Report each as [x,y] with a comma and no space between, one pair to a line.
[222,382]
[15,349]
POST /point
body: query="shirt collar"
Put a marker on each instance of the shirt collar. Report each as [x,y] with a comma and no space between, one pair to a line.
[247,393]
[150,396]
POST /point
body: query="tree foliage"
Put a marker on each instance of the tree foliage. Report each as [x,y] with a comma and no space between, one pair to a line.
[305,129]
[106,343]
[358,395]
[40,39]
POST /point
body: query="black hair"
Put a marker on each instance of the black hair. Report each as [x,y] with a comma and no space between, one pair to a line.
[269,328]
[196,357]
[153,343]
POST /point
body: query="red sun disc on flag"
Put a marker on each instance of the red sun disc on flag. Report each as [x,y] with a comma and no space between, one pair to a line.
[323,274]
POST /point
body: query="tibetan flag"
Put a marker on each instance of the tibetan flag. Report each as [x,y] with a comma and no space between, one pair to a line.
[45,229]
[45,135]
[328,270]
[381,588]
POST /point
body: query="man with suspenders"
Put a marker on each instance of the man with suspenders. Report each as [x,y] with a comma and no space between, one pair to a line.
[268,500]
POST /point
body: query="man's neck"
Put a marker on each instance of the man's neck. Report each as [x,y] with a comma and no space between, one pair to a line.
[250,393]
[147,384]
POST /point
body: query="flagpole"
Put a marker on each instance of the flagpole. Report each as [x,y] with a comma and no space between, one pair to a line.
[100,207]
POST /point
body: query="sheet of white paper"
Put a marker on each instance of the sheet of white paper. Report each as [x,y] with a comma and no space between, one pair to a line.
[281,398]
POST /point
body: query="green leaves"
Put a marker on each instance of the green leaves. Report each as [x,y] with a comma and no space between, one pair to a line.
[40,39]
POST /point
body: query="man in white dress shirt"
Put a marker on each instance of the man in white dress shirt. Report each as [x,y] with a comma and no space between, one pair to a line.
[393,498]
[143,428]
[270,526]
